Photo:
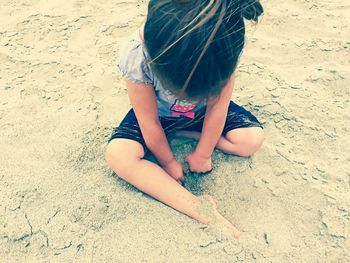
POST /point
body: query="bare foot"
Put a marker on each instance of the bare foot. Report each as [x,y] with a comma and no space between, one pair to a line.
[207,207]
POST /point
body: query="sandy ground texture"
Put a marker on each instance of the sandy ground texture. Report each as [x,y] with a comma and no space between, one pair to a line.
[61,95]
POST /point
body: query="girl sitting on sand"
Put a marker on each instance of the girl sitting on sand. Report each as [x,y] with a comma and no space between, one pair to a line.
[179,69]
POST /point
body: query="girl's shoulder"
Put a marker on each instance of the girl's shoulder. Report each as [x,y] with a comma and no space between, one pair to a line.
[132,59]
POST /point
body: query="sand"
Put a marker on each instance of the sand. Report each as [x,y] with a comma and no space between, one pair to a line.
[61,95]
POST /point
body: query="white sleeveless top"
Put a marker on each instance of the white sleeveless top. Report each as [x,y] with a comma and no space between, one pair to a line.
[133,66]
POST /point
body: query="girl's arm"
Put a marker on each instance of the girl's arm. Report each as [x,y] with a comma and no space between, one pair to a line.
[214,121]
[144,103]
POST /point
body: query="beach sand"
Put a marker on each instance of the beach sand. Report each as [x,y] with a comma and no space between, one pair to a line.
[61,95]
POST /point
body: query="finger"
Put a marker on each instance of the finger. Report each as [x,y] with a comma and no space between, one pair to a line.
[179,178]
[207,172]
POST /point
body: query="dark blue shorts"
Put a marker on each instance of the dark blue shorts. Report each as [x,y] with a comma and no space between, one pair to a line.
[237,117]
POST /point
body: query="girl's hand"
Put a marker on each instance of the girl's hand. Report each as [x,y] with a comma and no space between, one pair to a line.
[198,163]
[175,170]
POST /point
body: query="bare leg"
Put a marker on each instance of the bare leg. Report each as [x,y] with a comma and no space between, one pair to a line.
[241,141]
[125,158]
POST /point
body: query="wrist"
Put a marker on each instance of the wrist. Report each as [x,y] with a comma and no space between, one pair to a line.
[202,153]
[167,162]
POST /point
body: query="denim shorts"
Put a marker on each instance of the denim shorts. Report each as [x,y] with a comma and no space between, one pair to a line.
[237,117]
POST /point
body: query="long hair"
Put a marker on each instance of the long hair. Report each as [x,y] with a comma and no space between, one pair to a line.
[194,46]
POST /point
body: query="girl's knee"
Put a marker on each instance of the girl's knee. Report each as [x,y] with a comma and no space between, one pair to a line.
[113,155]
[257,137]
[112,152]
[253,141]
[249,140]
[120,155]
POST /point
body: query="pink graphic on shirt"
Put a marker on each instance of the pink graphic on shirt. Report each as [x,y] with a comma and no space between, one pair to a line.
[183,108]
